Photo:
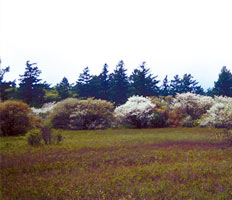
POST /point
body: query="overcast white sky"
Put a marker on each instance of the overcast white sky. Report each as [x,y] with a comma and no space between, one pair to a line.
[64,36]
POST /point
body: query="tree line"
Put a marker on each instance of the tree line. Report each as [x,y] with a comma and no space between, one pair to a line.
[114,87]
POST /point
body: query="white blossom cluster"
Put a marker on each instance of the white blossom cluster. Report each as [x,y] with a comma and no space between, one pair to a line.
[47,107]
[192,105]
[219,115]
[222,99]
[136,111]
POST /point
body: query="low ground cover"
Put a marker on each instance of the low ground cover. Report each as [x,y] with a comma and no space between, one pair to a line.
[170,163]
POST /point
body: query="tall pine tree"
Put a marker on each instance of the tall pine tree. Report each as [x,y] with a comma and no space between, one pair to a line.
[119,84]
[94,87]
[185,84]
[63,88]
[104,84]
[83,87]
[188,84]
[223,86]
[31,89]
[143,83]
[165,87]
[175,85]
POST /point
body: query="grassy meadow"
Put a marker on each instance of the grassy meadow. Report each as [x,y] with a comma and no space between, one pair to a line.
[169,163]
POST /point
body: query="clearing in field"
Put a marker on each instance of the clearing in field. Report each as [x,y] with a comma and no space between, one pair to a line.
[180,163]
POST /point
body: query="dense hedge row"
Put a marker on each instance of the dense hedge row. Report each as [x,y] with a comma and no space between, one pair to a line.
[186,109]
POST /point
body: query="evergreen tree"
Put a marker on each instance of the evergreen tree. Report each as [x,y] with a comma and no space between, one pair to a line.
[94,87]
[99,85]
[104,84]
[119,84]
[165,88]
[63,88]
[3,71]
[175,86]
[142,82]
[31,89]
[83,84]
[186,84]
[7,88]
[209,92]
[223,86]
[190,85]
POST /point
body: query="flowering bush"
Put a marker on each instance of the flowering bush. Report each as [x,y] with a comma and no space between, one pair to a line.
[82,114]
[184,110]
[219,116]
[222,99]
[137,112]
[44,111]
[193,105]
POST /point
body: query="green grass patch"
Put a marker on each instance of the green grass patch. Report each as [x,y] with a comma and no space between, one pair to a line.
[180,163]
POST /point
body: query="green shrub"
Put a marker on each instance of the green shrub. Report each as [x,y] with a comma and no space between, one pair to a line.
[57,137]
[50,136]
[79,114]
[15,118]
[44,135]
[34,137]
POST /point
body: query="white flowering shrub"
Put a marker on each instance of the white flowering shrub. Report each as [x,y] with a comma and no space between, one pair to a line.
[44,110]
[136,112]
[222,99]
[219,116]
[192,106]
[82,114]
